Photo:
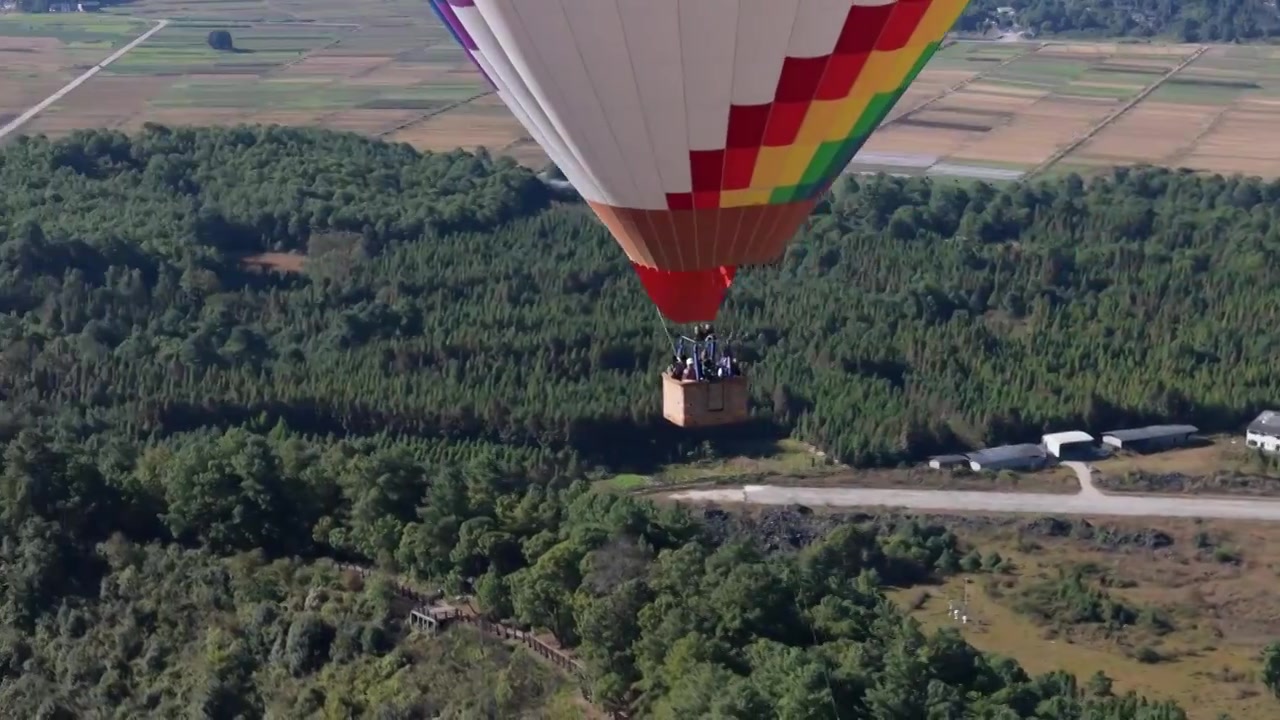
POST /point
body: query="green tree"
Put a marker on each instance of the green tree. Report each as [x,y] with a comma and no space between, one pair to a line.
[1271,668]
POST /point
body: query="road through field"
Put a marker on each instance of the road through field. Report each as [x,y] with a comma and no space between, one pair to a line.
[43,105]
[1090,501]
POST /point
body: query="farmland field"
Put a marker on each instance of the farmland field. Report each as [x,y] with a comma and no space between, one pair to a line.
[389,69]
[1209,115]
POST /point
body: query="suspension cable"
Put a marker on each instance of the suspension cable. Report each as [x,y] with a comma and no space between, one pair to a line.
[670,339]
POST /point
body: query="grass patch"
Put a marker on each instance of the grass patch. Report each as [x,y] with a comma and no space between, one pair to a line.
[792,463]
[1061,169]
[1093,91]
[783,458]
[71,28]
[1193,624]
[1040,70]
[395,103]
[273,94]
[180,49]
[1136,80]
[1194,94]
[1215,455]
[625,482]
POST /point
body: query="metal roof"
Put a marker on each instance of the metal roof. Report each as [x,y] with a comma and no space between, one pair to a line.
[1007,452]
[1068,436]
[1268,423]
[1151,432]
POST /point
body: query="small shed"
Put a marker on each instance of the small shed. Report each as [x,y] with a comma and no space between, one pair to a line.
[1009,457]
[1149,438]
[939,462]
[1264,432]
[1069,442]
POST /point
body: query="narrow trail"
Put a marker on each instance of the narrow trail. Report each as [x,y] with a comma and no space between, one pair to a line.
[43,105]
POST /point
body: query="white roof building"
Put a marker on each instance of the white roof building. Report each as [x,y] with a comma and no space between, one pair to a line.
[1055,442]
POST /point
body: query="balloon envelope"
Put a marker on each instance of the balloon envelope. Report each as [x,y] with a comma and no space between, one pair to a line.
[702,132]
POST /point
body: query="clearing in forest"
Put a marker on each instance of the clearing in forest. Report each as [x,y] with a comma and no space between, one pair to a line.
[1196,598]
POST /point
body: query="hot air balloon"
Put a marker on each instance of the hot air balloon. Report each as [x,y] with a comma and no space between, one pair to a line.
[701,132]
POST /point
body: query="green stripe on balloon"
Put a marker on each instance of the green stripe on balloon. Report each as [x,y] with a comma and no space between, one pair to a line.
[832,157]
[827,164]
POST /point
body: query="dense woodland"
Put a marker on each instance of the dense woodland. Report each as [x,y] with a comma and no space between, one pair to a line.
[449,299]
[460,349]
[1185,21]
[141,583]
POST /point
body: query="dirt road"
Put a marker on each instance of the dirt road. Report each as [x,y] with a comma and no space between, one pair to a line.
[43,105]
[1089,501]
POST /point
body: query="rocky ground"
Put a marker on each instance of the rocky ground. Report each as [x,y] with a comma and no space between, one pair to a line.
[1221,483]
[783,529]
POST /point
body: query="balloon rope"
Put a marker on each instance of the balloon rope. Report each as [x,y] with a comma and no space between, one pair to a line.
[670,340]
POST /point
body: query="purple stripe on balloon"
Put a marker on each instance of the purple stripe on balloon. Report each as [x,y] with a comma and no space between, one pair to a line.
[444,8]
[450,19]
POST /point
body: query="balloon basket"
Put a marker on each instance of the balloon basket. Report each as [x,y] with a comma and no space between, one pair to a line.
[705,403]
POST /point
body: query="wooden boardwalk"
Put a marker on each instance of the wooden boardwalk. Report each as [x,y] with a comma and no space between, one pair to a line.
[432,614]
[435,618]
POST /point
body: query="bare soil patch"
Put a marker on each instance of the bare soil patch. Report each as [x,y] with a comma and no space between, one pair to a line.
[276,261]
[1240,142]
[1124,49]
[283,117]
[1257,104]
[1105,85]
[399,74]
[33,53]
[903,138]
[977,98]
[461,128]
[1150,132]
[179,117]
[32,69]
[370,122]
[328,65]
[18,94]
[105,101]
[995,91]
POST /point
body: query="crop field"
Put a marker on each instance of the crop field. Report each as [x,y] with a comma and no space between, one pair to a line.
[389,69]
[1089,106]
[41,53]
